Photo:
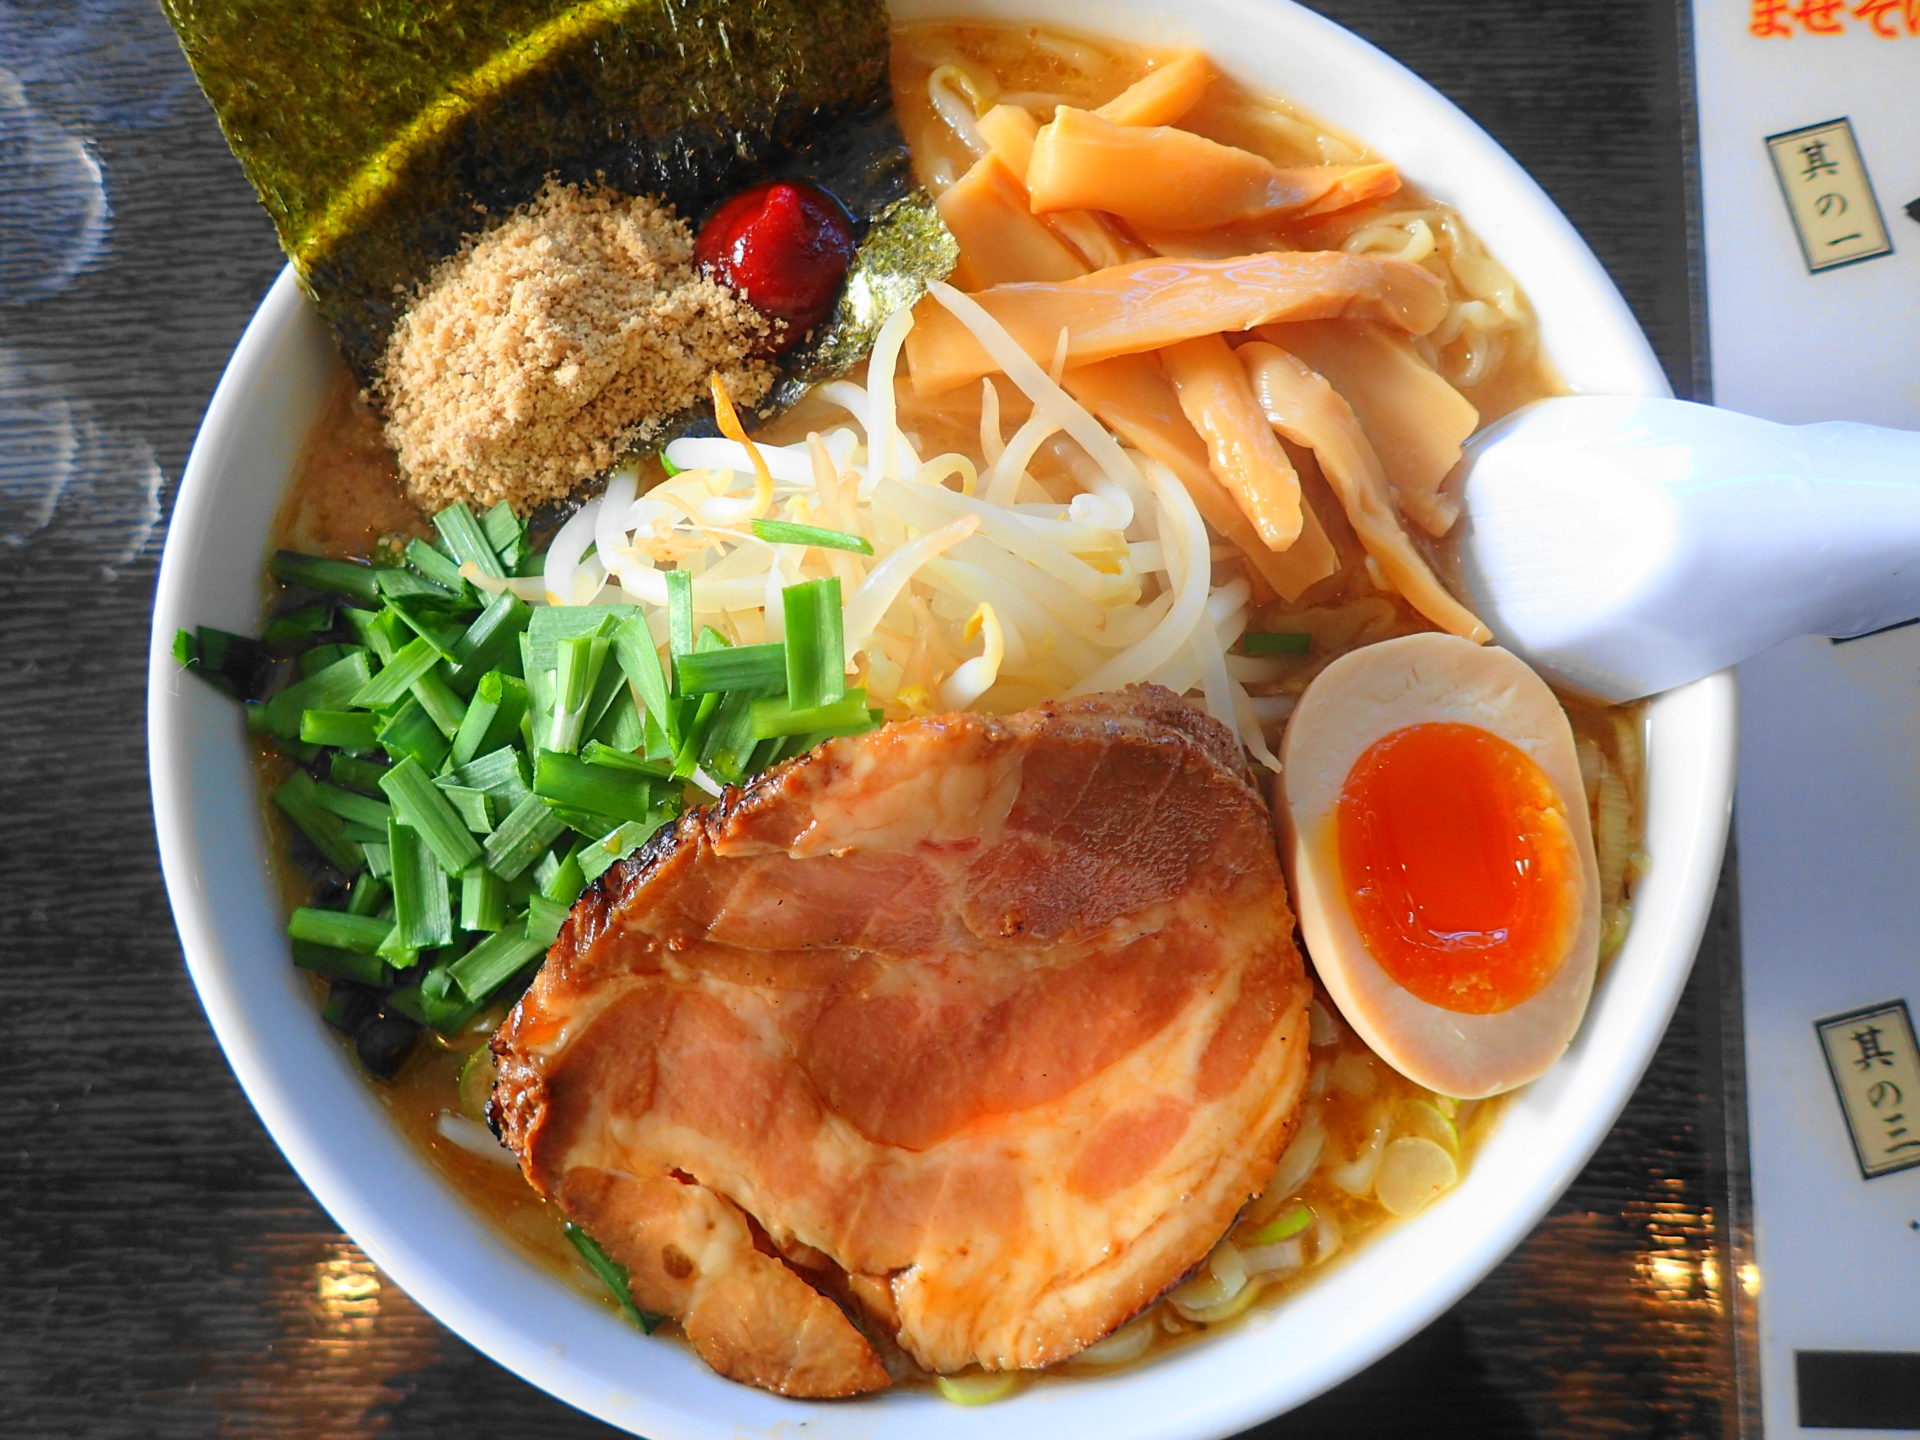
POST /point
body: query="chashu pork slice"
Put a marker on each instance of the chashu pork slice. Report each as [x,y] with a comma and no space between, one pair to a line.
[968,1036]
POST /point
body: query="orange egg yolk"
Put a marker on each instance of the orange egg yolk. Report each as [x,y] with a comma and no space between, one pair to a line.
[1459,866]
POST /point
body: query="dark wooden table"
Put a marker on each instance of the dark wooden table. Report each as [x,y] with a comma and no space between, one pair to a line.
[162,1271]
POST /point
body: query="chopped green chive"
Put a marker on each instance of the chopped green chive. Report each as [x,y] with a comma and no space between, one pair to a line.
[501,773]
[409,733]
[432,619]
[493,718]
[369,893]
[785,532]
[504,533]
[398,584]
[693,734]
[298,801]
[434,565]
[597,856]
[1275,642]
[544,919]
[330,689]
[338,929]
[679,613]
[420,804]
[565,883]
[493,962]
[337,964]
[848,715]
[359,809]
[422,906]
[466,541]
[383,631]
[569,781]
[759,667]
[639,661]
[443,707]
[613,1275]
[1284,1226]
[492,641]
[483,900]
[235,665]
[816,645]
[316,659]
[474,807]
[299,624]
[728,743]
[597,754]
[518,840]
[338,577]
[396,677]
[341,729]
[543,718]
[581,658]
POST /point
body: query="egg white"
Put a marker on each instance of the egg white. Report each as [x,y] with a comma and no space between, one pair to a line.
[1356,701]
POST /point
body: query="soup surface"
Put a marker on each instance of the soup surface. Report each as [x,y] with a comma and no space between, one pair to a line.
[1370,1146]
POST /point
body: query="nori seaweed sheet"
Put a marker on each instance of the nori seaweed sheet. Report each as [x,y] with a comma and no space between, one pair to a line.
[381,133]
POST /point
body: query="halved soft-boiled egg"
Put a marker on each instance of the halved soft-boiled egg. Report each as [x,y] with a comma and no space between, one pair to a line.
[1442,860]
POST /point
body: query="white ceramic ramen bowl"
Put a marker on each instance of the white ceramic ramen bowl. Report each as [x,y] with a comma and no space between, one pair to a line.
[334,1131]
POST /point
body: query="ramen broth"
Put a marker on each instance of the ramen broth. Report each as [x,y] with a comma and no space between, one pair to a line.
[345,500]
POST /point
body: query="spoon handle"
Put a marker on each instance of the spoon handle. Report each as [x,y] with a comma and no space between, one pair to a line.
[1629,544]
[1817,527]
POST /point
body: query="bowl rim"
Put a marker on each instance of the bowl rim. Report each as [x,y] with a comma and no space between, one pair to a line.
[594,1367]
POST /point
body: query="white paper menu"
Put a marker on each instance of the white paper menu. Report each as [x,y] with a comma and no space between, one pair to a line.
[1809,115]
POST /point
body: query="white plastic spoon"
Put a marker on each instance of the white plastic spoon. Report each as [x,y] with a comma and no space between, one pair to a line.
[1627,545]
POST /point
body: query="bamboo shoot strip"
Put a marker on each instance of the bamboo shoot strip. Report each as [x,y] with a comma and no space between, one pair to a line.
[1149,304]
